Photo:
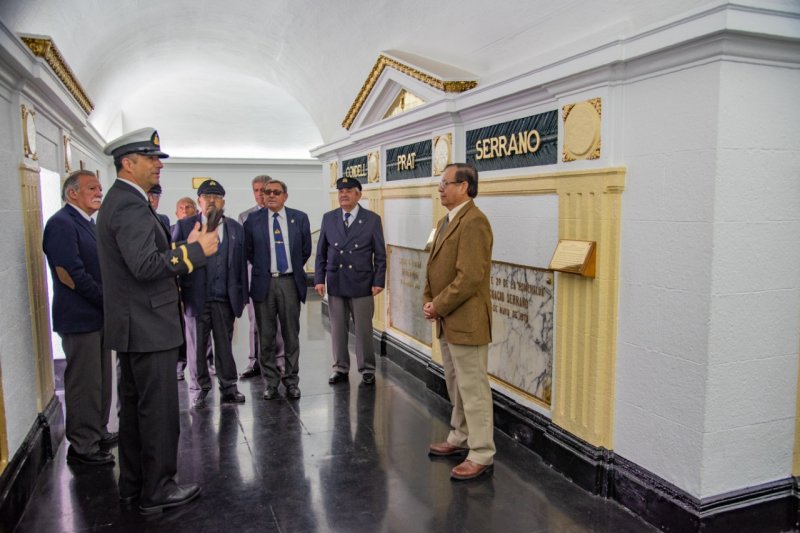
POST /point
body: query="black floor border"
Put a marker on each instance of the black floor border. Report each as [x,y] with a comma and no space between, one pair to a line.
[19,478]
[773,506]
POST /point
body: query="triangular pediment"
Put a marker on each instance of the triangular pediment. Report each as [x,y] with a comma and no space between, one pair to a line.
[399,82]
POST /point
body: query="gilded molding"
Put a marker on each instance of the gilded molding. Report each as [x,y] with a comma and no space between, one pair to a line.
[46,49]
[373,167]
[382,63]
[333,168]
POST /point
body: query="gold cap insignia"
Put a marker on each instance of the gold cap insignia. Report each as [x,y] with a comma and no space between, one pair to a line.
[344,180]
[155,140]
[212,183]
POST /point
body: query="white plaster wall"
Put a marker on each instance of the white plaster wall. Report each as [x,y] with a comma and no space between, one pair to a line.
[408,221]
[303,179]
[17,360]
[525,228]
[668,139]
[709,292]
[754,322]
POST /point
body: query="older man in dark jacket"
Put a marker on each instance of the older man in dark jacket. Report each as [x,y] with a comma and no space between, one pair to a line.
[70,244]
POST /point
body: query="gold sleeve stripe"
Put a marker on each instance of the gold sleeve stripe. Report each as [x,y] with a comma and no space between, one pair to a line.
[173,245]
[186,258]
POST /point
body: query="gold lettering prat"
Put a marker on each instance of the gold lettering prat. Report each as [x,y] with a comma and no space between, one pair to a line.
[406,161]
[519,143]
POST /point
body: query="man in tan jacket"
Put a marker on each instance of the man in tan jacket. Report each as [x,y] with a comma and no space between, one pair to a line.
[457,298]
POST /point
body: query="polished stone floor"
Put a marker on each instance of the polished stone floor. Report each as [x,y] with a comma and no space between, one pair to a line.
[344,458]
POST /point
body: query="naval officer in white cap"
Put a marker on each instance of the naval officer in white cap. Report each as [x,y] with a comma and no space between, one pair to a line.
[142,321]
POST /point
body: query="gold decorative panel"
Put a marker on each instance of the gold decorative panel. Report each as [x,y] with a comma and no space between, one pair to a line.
[37,289]
[442,153]
[333,167]
[404,101]
[582,130]
[45,48]
[198,180]
[374,167]
[29,133]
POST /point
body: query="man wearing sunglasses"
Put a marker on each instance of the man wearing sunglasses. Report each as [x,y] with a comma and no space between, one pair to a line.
[278,245]
[253,368]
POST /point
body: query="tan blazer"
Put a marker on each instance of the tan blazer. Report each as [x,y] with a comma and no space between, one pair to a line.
[457,281]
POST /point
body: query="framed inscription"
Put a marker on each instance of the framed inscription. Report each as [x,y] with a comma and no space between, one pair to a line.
[574,257]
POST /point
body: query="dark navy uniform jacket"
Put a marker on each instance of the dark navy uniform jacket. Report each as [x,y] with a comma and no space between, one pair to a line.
[70,245]
[193,286]
[352,260]
[140,268]
[256,233]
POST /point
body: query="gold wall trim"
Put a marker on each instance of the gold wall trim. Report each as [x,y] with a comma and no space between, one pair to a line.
[384,62]
[37,288]
[45,48]
[587,309]
[585,354]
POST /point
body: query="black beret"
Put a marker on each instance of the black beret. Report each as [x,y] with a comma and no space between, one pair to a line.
[211,187]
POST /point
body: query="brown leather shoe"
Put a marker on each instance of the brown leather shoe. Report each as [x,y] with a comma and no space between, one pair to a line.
[443,449]
[469,470]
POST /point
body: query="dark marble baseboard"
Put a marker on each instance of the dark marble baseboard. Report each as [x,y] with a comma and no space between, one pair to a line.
[22,472]
[770,507]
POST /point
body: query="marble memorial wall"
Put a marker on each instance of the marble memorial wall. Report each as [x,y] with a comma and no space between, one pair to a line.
[521,352]
[406,273]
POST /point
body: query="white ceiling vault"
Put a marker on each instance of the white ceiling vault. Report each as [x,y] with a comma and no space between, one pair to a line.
[276,78]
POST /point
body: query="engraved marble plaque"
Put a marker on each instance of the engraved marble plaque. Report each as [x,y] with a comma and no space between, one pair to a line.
[406,285]
[521,352]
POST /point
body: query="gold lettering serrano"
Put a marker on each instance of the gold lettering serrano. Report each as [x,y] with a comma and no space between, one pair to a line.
[523,142]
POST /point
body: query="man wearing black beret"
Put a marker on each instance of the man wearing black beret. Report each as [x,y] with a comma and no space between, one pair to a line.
[213,296]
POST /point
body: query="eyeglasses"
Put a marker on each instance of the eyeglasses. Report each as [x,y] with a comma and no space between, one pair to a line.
[272,192]
[443,183]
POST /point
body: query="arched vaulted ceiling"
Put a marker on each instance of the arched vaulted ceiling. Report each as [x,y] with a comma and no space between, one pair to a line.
[275,78]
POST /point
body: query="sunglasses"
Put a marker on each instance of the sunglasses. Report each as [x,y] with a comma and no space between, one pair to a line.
[272,192]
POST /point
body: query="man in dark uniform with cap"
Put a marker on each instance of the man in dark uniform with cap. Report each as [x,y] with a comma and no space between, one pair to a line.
[351,257]
[213,296]
[142,321]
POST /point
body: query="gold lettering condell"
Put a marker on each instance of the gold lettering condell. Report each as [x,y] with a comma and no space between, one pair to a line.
[523,142]
[356,171]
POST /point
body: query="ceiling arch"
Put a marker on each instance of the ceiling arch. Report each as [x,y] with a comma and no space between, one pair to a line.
[275,78]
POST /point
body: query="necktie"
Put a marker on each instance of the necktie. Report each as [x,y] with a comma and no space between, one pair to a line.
[441,231]
[346,221]
[280,247]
